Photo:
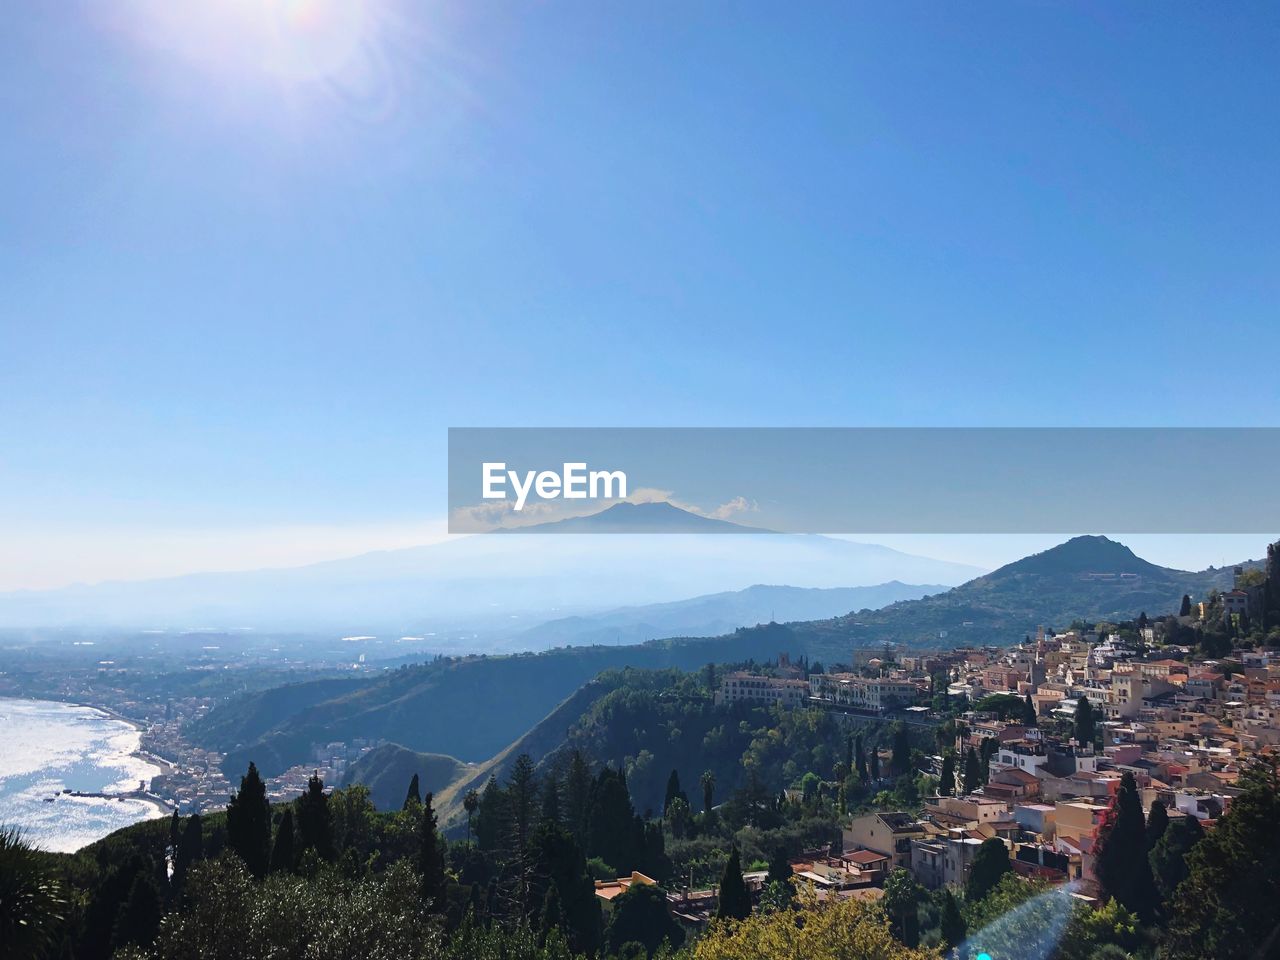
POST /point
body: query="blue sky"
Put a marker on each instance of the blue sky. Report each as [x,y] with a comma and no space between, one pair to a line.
[257,255]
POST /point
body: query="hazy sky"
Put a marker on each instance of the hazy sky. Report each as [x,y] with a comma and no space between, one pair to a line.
[257,255]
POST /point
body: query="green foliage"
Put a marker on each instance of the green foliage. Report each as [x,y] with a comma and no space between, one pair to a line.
[902,895]
[414,794]
[315,828]
[1168,856]
[283,856]
[1121,863]
[640,916]
[249,823]
[32,903]
[735,900]
[1005,706]
[1085,725]
[1226,906]
[430,856]
[990,864]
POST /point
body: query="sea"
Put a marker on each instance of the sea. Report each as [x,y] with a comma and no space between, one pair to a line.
[47,748]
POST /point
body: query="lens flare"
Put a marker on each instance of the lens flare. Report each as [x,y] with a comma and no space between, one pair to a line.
[1030,931]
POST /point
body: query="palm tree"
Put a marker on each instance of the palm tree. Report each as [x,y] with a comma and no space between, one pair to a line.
[31,901]
[470,803]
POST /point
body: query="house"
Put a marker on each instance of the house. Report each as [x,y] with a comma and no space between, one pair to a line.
[610,890]
[887,833]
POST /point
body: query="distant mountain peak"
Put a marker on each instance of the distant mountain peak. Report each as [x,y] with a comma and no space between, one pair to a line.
[1079,555]
[654,517]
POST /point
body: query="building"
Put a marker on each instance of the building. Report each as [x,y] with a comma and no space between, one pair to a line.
[874,694]
[885,833]
[741,686]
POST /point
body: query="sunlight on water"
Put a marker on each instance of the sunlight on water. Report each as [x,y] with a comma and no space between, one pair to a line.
[48,747]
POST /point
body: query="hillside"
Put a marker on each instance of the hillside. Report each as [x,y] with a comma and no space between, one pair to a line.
[716,614]
[1093,578]
[502,697]
[387,770]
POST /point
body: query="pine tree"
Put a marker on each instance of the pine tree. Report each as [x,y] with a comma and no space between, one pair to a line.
[1028,712]
[249,823]
[282,854]
[552,914]
[990,864]
[947,781]
[972,771]
[470,803]
[550,801]
[492,815]
[735,901]
[1084,722]
[431,858]
[1185,609]
[315,826]
[414,796]
[952,924]
[577,790]
[1169,857]
[1157,824]
[1120,854]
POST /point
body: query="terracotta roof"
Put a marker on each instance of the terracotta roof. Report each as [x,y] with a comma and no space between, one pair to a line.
[865,856]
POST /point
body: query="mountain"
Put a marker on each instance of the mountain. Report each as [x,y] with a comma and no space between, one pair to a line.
[1091,578]
[657,517]
[387,770]
[501,697]
[488,587]
[715,614]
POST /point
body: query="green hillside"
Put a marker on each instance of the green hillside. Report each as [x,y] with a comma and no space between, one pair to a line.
[387,770]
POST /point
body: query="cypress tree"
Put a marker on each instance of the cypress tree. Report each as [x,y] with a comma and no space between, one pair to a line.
[875,764]
[551,801]
[735,901]
[315,827]
[708,783]
[901,759]
[552,916]
[190,849]
[1121,863]
[673,790]
[972,771]
[1185,609]
[249,823]
[576,790]
[860,760]
[431,858]
[947,781]
[1157,824]
[849,762]
[414,795]
[282,854]
[1084,722]
[1028,712]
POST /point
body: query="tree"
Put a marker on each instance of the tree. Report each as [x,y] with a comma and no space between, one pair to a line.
[577,789]
[282,854]
[678,817]
[875,764]
[1157,824]
[902,903]
[1029,718]
[839,930]
[1084,722]
[641,916]
[860,759]
[901,760]
[190,849]
[550,801]
[470,803]
[414,796]
[779,879]
[249,823]
[32,904]
[673,791]
[708,782]
[1185,609]
[1169,856]
[431,857]
[947,781]
[735,900]
[990,864]
[557,861]
[139,917]
[952,926]
[315,828]
[972,771]
[1120,853]
[1226,907]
